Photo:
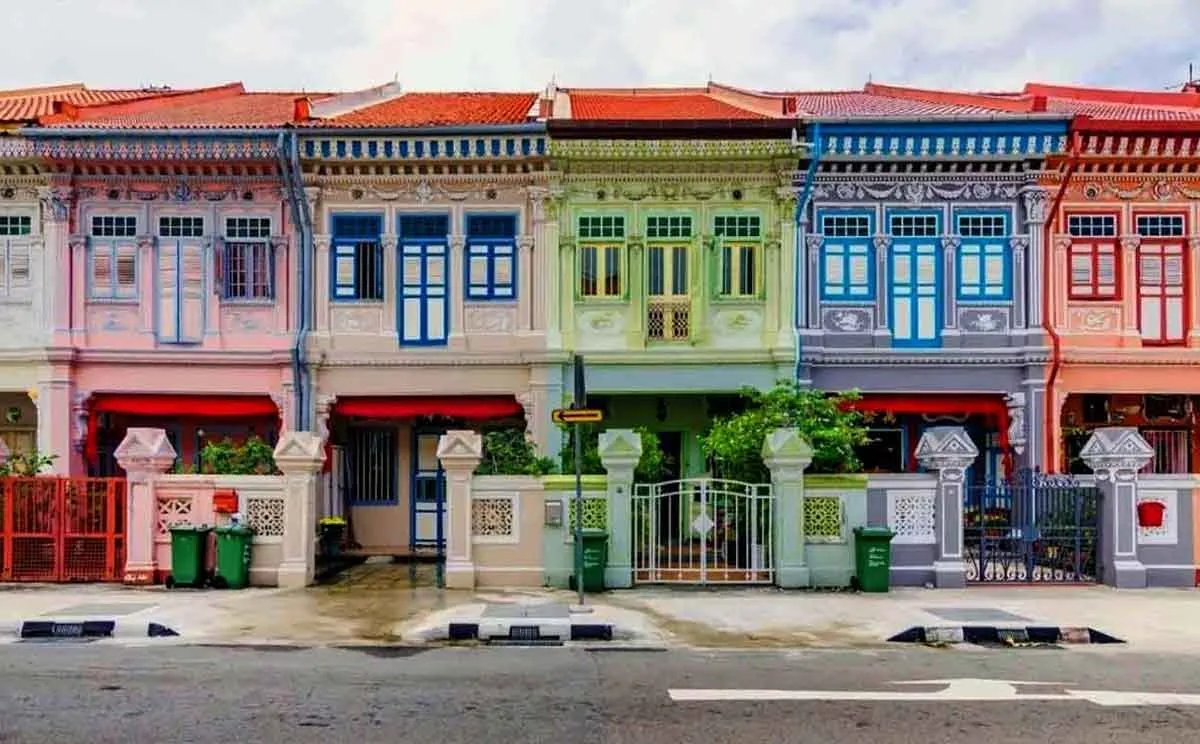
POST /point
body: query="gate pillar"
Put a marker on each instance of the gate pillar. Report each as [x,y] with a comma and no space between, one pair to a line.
[620,451]
[1116,454]
[948,451]
[459,452]
[144,454]
[787,455]
[299,456]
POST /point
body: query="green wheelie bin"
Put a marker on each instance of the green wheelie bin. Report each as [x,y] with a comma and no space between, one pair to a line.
[595,559]
[873,558]
[189,544]
[233,557]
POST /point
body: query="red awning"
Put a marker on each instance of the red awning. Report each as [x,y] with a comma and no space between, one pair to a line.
[954,405]
[473,408]
[197,406]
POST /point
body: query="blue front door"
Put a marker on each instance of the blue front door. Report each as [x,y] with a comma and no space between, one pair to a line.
[428,502]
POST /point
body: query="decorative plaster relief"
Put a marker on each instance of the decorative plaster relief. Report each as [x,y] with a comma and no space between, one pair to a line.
[247,319]
[737,322]
[984,319]
[366,320]
[915,193]
[602,322]
[490,318]
[848,320]
[1094,319]
[113,318]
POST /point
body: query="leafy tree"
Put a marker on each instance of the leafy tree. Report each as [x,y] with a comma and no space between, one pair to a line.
[734,442]
[509,452]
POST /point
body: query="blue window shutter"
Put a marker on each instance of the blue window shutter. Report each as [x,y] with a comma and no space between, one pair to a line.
[345,268]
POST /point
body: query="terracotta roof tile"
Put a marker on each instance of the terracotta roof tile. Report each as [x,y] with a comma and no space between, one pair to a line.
[856,103]
[650,104]
[438,109]
[223,107]
[27,104]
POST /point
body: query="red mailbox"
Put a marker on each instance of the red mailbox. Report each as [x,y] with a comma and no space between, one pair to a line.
[1150,513]
[225,501]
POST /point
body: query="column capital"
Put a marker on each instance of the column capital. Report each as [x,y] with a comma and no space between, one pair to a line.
[56,203]
[620,449]
[460,450]
[300,453]
[786,454]
[1116,453]
[948,450]
[144,453]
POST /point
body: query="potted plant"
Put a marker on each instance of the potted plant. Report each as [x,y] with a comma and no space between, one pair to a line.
[1151,513]
[332,531]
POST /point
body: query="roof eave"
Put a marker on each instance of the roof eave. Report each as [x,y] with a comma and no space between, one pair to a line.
[529,127]
[1008,118]
[48,132]
[1091,125]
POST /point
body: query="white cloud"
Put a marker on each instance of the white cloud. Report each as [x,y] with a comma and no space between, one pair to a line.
[520,44]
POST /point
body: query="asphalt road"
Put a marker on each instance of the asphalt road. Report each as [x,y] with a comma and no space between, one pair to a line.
[101,693]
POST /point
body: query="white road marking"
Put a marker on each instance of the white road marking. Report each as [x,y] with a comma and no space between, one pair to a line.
[954,690]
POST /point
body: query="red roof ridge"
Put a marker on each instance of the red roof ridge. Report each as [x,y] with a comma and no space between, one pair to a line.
[648,91]
[68,112]
[349,102]
[42,90]
[767,104]
[1026,104]
[1115,95]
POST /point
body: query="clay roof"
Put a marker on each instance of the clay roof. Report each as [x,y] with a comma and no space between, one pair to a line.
[438,109]
[876,100]
[227,106]
[27,104]
[1117,105]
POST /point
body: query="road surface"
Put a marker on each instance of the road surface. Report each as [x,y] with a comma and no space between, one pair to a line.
[98,693]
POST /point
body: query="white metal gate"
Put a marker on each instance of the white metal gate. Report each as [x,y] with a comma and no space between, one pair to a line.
[703,531]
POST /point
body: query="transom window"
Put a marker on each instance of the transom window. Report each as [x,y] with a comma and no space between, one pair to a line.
[601,227]
[846,226]
[914,225]
[15,224]
[677,226]
[737,226]
[247,227]
[424,227]
[181,227]
[248,259]
[982,226]
[114,226]
[1092,225]
[1160,225]
[357,256]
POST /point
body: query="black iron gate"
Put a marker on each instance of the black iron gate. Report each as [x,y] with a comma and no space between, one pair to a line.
[1032,528]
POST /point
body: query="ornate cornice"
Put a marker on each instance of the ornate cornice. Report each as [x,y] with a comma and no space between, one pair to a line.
[934,357]
[157,148]
[671,149]
[1134,187]
[159,357]
[916,191]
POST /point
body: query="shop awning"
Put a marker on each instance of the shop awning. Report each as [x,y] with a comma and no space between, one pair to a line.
[470,407]
[191,406]
[992,406]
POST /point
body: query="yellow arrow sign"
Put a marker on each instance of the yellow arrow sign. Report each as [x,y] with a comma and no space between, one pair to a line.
[577,415]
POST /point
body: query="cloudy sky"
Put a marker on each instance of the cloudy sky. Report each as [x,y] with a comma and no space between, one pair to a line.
[522,44]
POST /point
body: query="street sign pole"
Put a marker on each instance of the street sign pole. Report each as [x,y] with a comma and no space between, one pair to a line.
[580,401]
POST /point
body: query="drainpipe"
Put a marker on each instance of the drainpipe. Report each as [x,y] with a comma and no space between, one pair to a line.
[801,293]
[289,164]
[1049,276]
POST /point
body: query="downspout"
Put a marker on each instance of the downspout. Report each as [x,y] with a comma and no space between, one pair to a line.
[1049,276]
[289,165]
[801,293]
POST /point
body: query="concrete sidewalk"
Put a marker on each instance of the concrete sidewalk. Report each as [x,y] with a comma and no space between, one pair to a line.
[376,607]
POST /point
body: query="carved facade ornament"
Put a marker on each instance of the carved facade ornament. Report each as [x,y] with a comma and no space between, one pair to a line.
[882,242]
[915,192]
[1018,242]
[1138,189]
[324,407]
[79,419]
[1035,205]
[1131,242]
[1016,421]
[814,241]
[322,241]
[389,241]
[951,242]
[56,202]
[673,149]
[1062,241]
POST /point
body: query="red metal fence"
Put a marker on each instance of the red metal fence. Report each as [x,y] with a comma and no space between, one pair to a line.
[62,529]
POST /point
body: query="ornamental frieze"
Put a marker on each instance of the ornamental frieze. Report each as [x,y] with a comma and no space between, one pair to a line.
[151,148]
[666,191]
[916,193]
[500,188]
[673,149]
[1130,188]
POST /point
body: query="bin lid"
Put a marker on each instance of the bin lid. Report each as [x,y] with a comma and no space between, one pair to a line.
[593,532]
[191,528]
[877,532]
[235,529]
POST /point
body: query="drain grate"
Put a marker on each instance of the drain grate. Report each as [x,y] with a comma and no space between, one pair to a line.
[524,633]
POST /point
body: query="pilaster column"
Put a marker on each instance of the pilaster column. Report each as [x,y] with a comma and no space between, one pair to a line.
[810,289]
[54,281]
[1060,275]
[948,451]
[635,333]
[52,397]
[564,322]
[1018,433]
[323,410]
[1116,454]
[300,456]
[79,422]
[1019,245]
[950,246]
[456,338]
[145,454]
[787,456]
[388,242]
[620,451]
[789,278]
[526,286]
[73,309]
[883,246]
[459,452]
[1033,198]
[774,284]
[322,284]
[1129,279]
[1193,264]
